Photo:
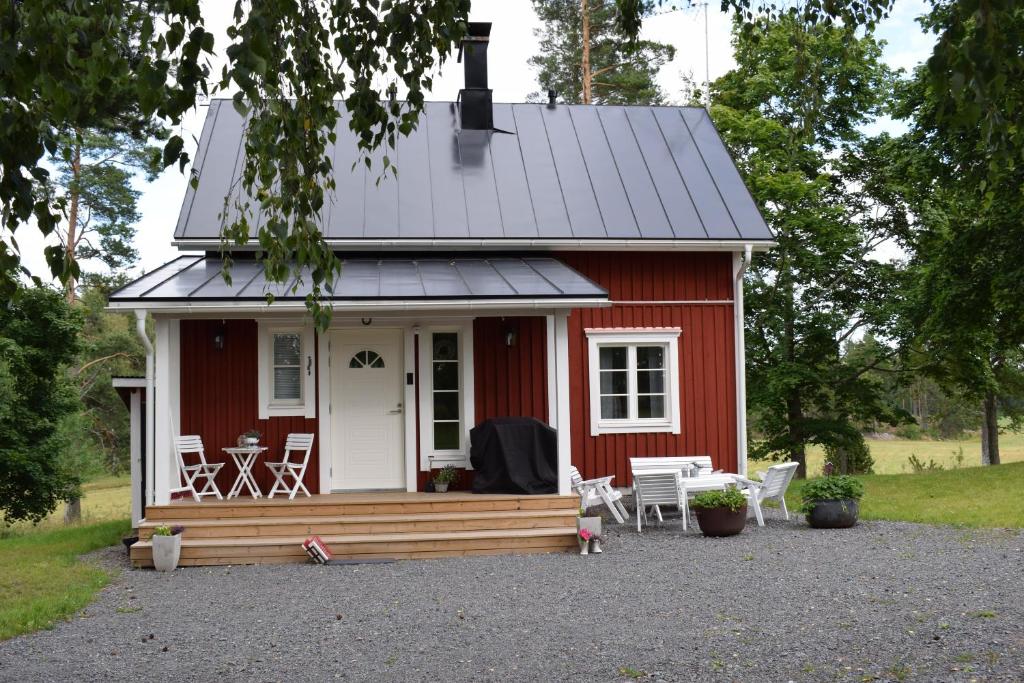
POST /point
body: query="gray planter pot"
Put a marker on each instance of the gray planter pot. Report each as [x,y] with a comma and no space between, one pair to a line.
[834,514]
[166,552]
[441,488]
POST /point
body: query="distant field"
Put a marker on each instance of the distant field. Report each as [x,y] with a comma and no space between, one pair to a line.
[891,456]
[103,500]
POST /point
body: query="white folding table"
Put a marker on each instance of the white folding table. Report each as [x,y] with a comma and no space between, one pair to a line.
[245,457]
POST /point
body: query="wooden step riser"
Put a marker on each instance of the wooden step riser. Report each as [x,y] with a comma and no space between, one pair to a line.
[365,547]
[342,527]
[278,554]
[297,509]
[295,559]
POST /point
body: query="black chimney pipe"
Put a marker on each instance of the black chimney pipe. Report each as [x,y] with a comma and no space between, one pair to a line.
[475,105]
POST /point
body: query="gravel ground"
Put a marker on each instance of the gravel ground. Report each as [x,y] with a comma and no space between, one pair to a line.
[882,601]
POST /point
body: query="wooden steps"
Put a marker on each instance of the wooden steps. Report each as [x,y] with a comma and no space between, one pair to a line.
[363,526]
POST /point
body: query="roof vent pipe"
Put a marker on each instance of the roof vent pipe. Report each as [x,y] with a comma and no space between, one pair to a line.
[552,95]
[475,105]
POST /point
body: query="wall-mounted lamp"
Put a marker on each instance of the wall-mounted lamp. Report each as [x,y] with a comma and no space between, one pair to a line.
[218,337]
[511,337]
[366,321]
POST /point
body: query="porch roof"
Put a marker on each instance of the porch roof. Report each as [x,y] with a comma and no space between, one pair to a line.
[369,282]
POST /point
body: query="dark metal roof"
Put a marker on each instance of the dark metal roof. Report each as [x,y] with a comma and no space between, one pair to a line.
[562,172]
[198,278]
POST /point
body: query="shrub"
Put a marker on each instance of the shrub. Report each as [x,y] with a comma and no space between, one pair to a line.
[918,466]
[829,488]
[729,498]
[856,455]
[910,431]
[446,475]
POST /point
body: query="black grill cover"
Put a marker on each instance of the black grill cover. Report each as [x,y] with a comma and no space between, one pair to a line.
[514,455]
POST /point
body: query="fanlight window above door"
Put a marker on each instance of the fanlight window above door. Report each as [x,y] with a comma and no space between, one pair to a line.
[366,359]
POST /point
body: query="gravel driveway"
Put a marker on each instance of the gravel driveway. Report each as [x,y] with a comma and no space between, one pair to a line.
[882,601]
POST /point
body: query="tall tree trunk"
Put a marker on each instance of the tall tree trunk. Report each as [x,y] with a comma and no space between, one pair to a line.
[585,61]
[990,430]
[73,510]
[76,175]
[797,449]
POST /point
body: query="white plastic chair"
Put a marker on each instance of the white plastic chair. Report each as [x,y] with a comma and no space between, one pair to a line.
[296,470]
[596,491]
[772,486]
[654,488]
[191,473]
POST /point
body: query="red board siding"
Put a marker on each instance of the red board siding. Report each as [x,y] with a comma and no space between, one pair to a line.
[706,354]
[510,381]
[219,399]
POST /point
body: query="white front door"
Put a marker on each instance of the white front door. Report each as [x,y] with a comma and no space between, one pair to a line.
[367,435]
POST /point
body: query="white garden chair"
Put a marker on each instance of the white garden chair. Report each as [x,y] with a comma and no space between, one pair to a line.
[654,488]
[772,486]
[191,473]
[288,468]
[596,491]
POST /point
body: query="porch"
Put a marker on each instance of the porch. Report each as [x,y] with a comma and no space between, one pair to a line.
[392,525]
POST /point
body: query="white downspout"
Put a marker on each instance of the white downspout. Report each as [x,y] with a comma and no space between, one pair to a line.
[140,330]
[740,268]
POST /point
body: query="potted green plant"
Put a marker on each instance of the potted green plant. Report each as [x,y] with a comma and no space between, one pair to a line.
[720,513]
[252,438]
[831,502]
[444,477]
[587,529]
[166,547]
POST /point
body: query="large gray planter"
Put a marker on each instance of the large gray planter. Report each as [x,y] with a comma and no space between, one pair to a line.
[166,552]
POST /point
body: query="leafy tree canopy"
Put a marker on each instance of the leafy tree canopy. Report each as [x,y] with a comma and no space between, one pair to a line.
[38,340]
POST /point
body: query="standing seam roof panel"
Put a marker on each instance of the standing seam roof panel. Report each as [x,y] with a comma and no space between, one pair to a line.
[549,206]
[616,211]
[517,211]
[578,192]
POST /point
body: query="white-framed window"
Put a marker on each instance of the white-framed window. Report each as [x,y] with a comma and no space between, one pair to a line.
[634,380]
[287,372]
[446,394]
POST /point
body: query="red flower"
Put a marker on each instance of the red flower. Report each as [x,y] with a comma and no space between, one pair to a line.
[585,534]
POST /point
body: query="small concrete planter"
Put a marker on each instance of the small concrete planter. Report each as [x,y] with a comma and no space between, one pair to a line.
[166,552]
[441,488]
[591,524]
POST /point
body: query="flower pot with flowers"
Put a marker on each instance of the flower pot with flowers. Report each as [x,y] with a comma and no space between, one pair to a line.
[250,438]
[445,477]
[588,529]
[720,513]
[166,547]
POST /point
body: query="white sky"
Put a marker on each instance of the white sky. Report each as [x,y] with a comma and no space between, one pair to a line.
[512,43]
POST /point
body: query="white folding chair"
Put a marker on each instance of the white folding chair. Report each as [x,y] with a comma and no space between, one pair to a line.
[654,488]
[596,491]
[296,470]
[772,486]
[190,473]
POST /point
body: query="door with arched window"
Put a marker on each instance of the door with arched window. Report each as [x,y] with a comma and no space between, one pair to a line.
[367,423]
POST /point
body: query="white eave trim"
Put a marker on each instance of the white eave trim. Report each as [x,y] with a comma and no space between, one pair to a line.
[361,306]
[129,382]
[512,244]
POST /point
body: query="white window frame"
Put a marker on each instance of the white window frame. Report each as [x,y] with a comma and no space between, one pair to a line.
[306,405]
[428,455]
[633,337]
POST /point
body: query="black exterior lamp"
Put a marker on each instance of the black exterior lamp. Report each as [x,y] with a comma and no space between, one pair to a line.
[219,332]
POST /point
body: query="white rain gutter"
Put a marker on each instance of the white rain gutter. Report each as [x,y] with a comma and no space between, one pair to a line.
[178,307]
[503,244]
[740,268]
[140,330]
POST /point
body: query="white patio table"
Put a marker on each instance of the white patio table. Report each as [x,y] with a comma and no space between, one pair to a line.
[245,457]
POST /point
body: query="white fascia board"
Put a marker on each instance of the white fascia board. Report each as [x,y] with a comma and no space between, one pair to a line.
[129,382]
[169,307]
[512,245]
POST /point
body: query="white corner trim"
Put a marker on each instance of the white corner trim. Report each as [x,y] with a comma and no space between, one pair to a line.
[324,383]
[562,400]
[631,338]
[306,406]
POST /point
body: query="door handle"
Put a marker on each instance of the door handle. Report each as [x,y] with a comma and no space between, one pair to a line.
[396,411]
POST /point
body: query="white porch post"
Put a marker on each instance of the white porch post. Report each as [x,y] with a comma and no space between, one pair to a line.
[166,408]
[558,392]
[135,449]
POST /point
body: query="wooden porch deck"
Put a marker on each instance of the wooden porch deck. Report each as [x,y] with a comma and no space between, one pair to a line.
[386,525]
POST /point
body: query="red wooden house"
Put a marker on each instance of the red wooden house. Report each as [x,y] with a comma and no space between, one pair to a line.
[578,264]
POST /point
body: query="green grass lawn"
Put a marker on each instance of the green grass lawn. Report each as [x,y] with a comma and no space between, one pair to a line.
[969,496]
[41,578]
